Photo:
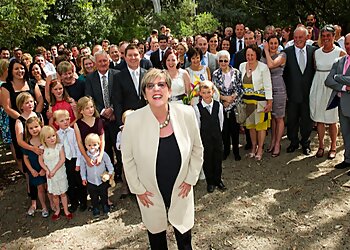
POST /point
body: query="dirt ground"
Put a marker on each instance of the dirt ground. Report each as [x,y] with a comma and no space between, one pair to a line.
[288,202]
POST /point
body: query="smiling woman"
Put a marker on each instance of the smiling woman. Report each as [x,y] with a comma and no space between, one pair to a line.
[170,148]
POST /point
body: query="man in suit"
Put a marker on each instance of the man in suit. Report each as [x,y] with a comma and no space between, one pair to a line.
[237,42]
[208,59]
[157,56]
[339,80]
[117,62]
[99,86]
[298,74]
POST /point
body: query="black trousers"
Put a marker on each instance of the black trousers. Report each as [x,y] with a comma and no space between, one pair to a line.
[111,130]
[212,164]
[230,133]
[298,118]
[97,193]
[158,241]
[76,191]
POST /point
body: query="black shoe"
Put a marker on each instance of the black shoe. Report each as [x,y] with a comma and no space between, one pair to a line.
[82,207]
[210,188]
[342,165]
[291,148]
[225,155]
[306,150]
[106,209]
[238,157]
[221,186]
[95,212]
[72,208]
[247,146]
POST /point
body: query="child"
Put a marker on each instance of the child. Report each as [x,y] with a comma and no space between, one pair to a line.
[125,190]
[52,161]
[92,176]
[59,99]
[36,174]
[210,118]
[76,191]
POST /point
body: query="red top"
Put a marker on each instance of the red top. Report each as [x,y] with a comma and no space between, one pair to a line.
[63,105]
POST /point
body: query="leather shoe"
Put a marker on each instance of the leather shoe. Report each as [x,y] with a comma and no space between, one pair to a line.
[291,148]
[210,188]
[238,157]
[225,155]
[306,150]
[221,186]
[342,165]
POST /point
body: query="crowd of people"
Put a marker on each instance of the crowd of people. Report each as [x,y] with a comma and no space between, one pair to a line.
[162,113]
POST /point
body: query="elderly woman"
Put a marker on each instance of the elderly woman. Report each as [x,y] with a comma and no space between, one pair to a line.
[257,87]
[228,81]
[320,94]
[162,161]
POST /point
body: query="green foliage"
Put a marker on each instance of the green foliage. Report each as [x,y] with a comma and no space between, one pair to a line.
[205,23]
[22,20]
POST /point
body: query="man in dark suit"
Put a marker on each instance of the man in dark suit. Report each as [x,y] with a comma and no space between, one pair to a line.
[237,42]
[157,56]
[249,38]
[126,93]
[99,86]
[117,62]
[339,80]
[298,74]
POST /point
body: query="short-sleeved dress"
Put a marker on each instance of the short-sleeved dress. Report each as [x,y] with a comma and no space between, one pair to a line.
[85,129]
[58,184]
[279,92]
[63,105]
[34,162]
[319,92]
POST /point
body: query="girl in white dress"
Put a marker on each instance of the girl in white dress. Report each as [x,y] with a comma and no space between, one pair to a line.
[52,161]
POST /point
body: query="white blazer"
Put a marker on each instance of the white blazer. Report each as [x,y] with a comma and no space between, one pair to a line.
[261,78]
[140,139]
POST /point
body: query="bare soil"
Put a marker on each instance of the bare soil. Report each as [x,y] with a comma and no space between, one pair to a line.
[289,202]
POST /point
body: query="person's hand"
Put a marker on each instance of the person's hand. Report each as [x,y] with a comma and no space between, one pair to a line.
[347,88]
[108,113]
[99,159]
[226,104]
[90,162]
[266,45]
[77,168]
[52,174]
[48,174]
[84,182]
[48,115]
[112,117]
[185,189]
[144,199]
[42,172]
[34,173]
[37,150]
[268,107]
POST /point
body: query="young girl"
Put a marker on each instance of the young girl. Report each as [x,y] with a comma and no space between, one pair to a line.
[52,161]
[36,174]
[59,99]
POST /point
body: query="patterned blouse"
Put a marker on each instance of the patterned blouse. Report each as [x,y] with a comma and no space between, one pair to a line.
[235,86]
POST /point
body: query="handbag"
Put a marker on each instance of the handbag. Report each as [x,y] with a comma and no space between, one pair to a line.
[241,112]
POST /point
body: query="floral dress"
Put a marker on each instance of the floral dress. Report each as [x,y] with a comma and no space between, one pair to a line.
[4,125]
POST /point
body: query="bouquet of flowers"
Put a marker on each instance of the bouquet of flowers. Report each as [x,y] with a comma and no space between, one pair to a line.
[194,91]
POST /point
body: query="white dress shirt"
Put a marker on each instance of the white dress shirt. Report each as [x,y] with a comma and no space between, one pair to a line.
[297,54]
[210,108]
[137,78]
[237,43]
[70,145]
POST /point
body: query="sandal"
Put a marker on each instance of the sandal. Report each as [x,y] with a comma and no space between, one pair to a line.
[320,153]
[332,154]
[250,155]
[31,211]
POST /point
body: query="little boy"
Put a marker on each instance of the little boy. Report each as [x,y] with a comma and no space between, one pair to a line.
[76,191]
[92,176]
[209,114]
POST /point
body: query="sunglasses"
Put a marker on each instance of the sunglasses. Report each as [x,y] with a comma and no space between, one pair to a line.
[225,61]
[160,85]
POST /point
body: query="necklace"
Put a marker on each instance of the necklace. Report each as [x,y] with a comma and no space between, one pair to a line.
[166,122]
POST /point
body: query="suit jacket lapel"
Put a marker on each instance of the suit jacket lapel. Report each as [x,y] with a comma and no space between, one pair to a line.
[97,86]
[110,83]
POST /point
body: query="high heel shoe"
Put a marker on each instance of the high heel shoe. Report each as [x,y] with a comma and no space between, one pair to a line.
[270,150]
[250,155]
[258,157]
[276,154]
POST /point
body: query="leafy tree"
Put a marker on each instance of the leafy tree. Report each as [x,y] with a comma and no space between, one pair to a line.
[22,20]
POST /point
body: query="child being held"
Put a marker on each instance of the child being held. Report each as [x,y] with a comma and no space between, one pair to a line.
[76,191]
[210,117]
[92,176]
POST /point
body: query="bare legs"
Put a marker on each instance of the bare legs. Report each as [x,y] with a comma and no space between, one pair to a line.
[258,138]
[333,131]
[56,200]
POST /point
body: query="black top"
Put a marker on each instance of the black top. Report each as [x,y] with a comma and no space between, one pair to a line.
[76,90]
[167,166]
[210,124]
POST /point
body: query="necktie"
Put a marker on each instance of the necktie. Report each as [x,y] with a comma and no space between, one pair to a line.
[162,55]
[203,61]
[346,65]
[240,46]
[302,61]
[66,145]
[134,79]
[105,91]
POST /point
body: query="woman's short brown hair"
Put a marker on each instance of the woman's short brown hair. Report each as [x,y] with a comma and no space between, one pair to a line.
[255,48]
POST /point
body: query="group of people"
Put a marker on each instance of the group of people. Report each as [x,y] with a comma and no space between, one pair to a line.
[163,113]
